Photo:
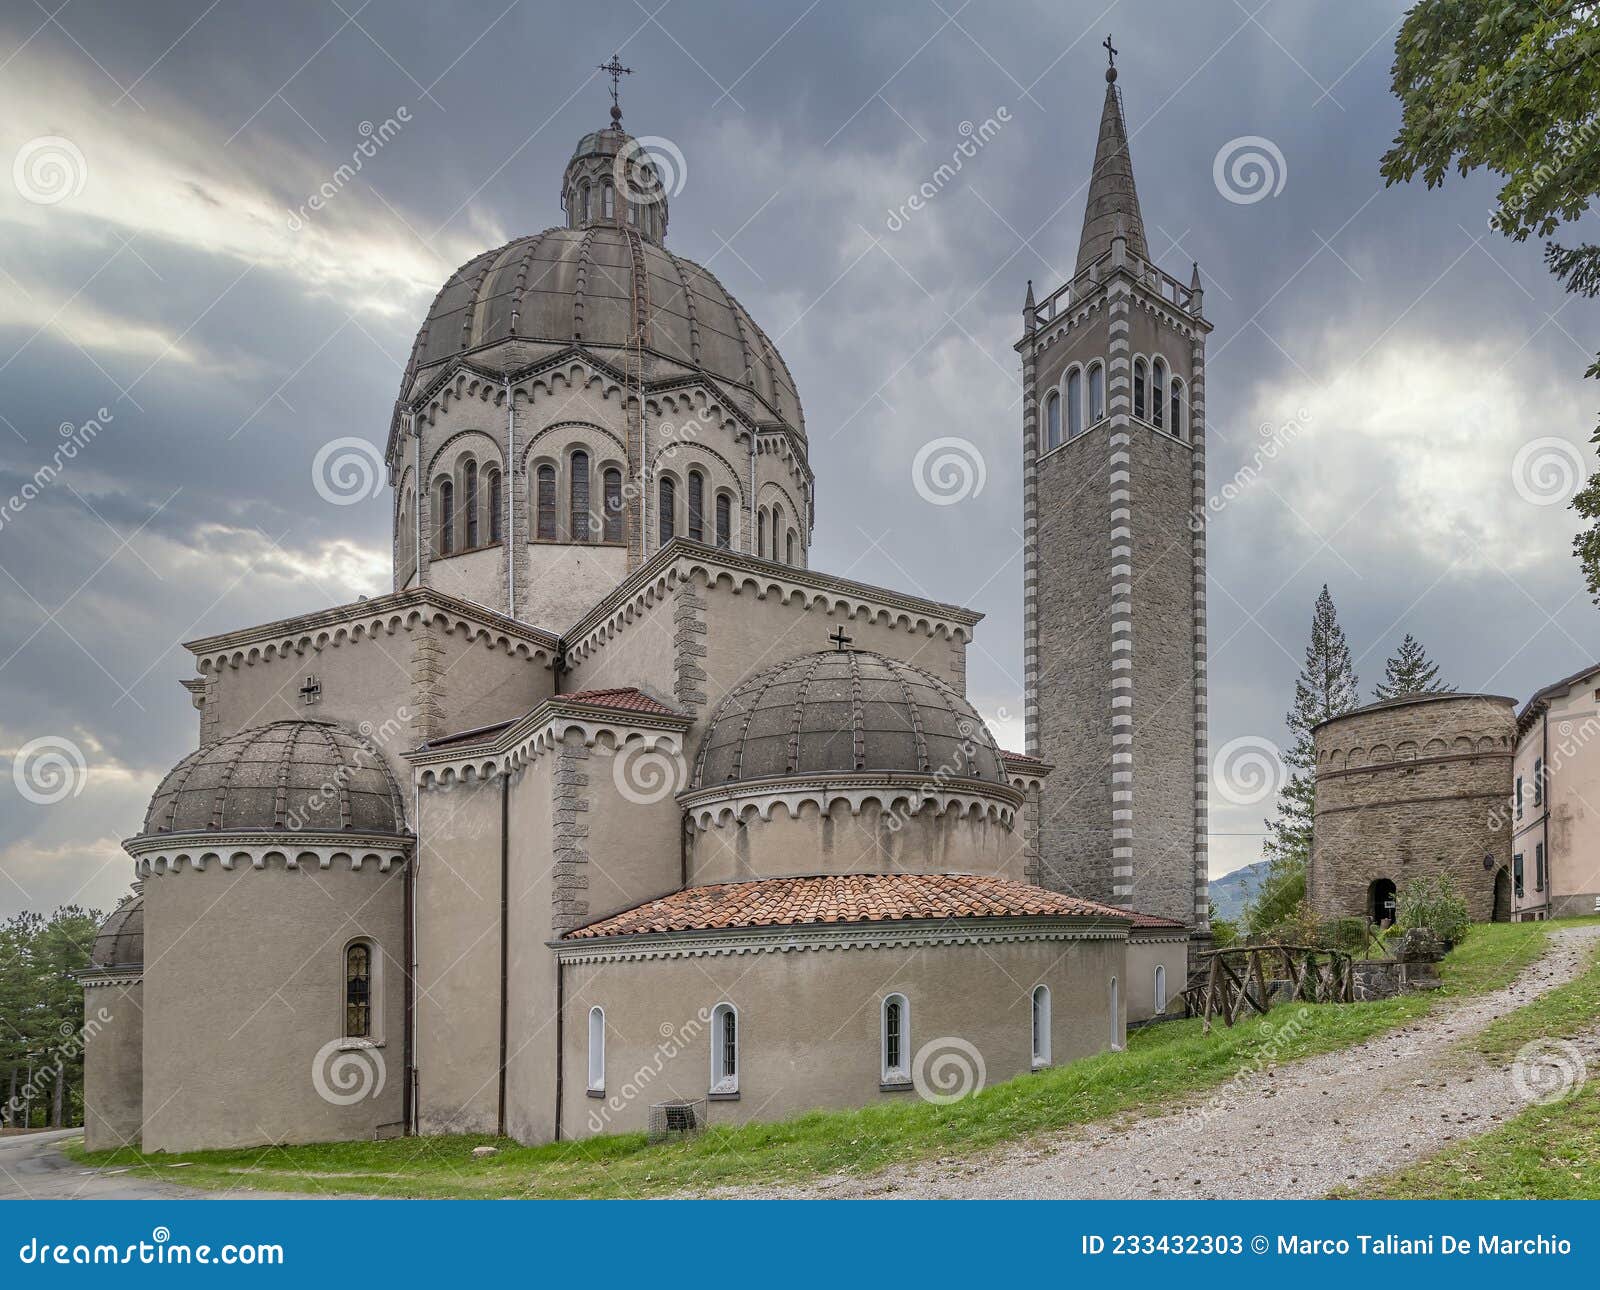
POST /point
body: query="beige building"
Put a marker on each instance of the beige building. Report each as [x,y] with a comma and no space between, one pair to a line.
[612,802]
[1555,793]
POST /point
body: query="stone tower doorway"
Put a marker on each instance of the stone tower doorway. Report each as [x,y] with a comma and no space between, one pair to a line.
[1381,905]
[1502,897]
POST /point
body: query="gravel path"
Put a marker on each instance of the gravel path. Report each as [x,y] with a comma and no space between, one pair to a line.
[1296,1131]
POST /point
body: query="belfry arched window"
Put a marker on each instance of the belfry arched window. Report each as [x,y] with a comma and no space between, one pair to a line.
[611,493]
[724,521]
[545,504]
[578,514]
[1141,379]
[1074,403]
[494,495]
[1052,421]
[1097,393]
[584,211]
[469,487]
[761,533]
[447,517]
[607,201]
[697,505]
[1158,392]
[791,550]
[667,508]
[358,990]
[1177,425]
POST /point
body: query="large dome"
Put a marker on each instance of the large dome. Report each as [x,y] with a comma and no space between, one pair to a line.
[575,286]
[845,712]
[299,775]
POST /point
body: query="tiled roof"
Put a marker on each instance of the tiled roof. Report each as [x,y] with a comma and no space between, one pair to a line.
[1023,757]
[625,699]
[844,898]
[1150,920]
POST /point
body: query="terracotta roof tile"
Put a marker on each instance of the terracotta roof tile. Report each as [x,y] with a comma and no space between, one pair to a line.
[848,898]
[624,699]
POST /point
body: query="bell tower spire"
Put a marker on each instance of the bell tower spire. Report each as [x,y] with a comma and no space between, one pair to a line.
[1113,199]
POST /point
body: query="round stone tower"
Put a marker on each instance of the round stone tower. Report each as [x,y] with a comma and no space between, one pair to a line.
[1411,788]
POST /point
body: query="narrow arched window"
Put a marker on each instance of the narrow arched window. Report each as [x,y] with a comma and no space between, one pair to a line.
[469,486]
[545,504]
[611,485]
[667,508]
[1158,392]
[1052,421]
[1161,987]
[724,1049]
[697,502]
[1140,394]
[761,532]
[597,1051]
[1074,403]
[358,990]
[896,1040]
[1097,393]
[583,204]
[496,503]
[724,521]
[777,528]
[1116,1015]
[447,517]
[1177,423]
[1041,1025]
[579,519]
[607,200]
[790,549]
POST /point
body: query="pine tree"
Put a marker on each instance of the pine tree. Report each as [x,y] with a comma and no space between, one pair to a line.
[1326,687]
[1410,671]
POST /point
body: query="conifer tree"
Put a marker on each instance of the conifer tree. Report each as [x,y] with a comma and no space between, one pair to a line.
[1410,671]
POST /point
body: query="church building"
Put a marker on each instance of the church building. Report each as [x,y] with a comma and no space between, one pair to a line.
[614,812]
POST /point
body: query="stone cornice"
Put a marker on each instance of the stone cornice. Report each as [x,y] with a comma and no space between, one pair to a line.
[381,615]
[1158,935]
[111,976]
[1025,772]
[159,853]
[839,936]
[544,729]
[708,807]
[680,559]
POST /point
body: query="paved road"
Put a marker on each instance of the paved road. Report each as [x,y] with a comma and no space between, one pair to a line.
[32,1167]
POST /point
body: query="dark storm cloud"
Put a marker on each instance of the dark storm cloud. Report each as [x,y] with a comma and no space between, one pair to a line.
[228,345]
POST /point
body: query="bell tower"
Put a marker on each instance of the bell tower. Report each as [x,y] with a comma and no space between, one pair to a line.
[1114,504]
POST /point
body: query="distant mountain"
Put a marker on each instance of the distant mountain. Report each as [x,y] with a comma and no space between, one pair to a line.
[1233,891]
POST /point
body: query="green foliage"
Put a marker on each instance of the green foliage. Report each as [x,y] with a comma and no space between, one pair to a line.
[41,1015]
[1511,88]
[1410,671]
[1224,931]
[1434,903]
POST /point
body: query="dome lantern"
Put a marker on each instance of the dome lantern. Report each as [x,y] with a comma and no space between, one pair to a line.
[611,178]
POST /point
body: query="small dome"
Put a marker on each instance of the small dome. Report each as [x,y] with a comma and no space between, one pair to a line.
[845,712]
[309,776]
[120,941]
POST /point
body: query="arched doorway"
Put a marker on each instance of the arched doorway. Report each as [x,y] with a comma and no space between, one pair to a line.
[1381,901]
[1502,897]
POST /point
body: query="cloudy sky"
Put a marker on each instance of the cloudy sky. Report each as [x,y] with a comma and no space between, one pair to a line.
[167,311]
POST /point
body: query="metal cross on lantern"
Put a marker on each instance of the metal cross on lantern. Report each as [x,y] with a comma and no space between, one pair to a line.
[616,71]
[840,640]
[1111,50]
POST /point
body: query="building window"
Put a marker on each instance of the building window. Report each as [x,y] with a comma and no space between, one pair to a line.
[1116,1015]
[724,521]
[578,498]
[497,503]
[896,1035]
[1140,380]
[1097,393]
[597,1050]
[1041,1026]
[697,502]
[583,204]
[761,532]
[1158,391]
[1516,875]
[469,485]
[1177,424]
[447,517]
[611,487]
[777,528]
[1052,421]
[1538,781]
[1519,797]
[724,1049]
[666,507]
[1538,866]
[607,200]
[1074,403]
[545,504]
[358,990]
[1161,987]
[789,549]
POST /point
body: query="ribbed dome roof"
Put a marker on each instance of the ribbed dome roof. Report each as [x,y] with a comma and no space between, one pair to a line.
[574,286]
[303,775]
[844,712]
[120,940]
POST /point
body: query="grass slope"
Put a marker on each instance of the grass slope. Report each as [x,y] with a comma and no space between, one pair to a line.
[1163,1065]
